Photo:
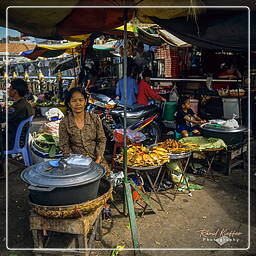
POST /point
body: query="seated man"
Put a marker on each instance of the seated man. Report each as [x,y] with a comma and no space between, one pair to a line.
[186,117]
[19,111]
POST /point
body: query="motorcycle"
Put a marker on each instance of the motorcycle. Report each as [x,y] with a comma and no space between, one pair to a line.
[139,118]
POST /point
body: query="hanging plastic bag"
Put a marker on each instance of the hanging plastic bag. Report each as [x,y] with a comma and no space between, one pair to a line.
[174,94]
[132,136]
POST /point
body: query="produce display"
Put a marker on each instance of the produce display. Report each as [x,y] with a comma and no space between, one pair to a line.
[176,147]
[203,143]
[140,156]
[46,143]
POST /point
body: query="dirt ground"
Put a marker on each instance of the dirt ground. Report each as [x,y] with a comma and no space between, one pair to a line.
[221,207]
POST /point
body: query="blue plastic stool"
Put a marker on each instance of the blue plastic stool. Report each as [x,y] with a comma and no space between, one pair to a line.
[178,135]
[25,149]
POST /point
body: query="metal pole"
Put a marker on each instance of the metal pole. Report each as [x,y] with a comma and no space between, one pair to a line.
[127,187]
[125,99]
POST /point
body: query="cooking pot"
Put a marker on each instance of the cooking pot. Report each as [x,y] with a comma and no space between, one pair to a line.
[230,136]
[71,181]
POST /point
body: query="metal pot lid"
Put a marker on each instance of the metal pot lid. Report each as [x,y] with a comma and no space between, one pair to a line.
[68,173]
[225,130]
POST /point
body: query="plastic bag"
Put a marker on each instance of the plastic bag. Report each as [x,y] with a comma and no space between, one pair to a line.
[132,136]
[51,128]
[80,160]
[54,114]
[231,123]
[175,171]
[116,178]
[174,95]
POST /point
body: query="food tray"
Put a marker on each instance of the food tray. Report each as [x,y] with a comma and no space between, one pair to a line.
[180,156]
[144,168]
[211,149]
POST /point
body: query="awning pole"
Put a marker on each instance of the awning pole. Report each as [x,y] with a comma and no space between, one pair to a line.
[128,201]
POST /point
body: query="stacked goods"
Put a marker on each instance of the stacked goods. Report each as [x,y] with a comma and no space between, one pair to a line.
[171,60]
[234,93]
[172,63]
[140,156]
[160,52]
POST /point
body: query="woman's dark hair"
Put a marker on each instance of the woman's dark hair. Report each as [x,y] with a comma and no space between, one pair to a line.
[20,86]
[225,66]
[71,92]
[146,73]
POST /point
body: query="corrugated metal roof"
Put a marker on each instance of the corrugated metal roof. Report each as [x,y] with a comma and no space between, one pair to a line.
[16,48]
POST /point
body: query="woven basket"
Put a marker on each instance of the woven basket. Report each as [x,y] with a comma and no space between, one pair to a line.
[78,210]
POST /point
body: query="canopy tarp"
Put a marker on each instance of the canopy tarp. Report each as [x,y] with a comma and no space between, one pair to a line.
[144,14]
[207,28]
[54,50]
[149,38]
[225,29]
[56,23]
[171,39]
[156,37]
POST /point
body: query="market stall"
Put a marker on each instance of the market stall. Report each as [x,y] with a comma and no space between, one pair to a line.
[49,176]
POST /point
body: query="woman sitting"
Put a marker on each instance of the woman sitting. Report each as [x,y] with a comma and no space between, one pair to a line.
[186,118]
[81,132]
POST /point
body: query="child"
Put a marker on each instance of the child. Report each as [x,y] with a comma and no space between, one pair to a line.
[186,117]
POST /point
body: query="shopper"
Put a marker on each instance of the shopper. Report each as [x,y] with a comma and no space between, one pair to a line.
[186,118]
[132,89]
[145,92]
[19,111]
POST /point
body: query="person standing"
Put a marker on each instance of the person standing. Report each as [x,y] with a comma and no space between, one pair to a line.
[145,92]
[132,89]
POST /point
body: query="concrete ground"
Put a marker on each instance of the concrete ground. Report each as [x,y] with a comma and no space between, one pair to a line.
[219,209]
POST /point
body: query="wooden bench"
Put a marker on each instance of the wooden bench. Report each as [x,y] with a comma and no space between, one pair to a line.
[86,229]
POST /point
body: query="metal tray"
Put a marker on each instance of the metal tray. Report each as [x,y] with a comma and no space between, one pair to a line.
[144,168]
[180,156]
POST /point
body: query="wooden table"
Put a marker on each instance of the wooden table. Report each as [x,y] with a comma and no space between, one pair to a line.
[80,227]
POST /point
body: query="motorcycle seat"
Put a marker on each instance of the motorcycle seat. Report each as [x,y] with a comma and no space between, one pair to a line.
[137,111]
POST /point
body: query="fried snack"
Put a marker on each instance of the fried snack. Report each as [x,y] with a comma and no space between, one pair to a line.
[175,147]
[139,156]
